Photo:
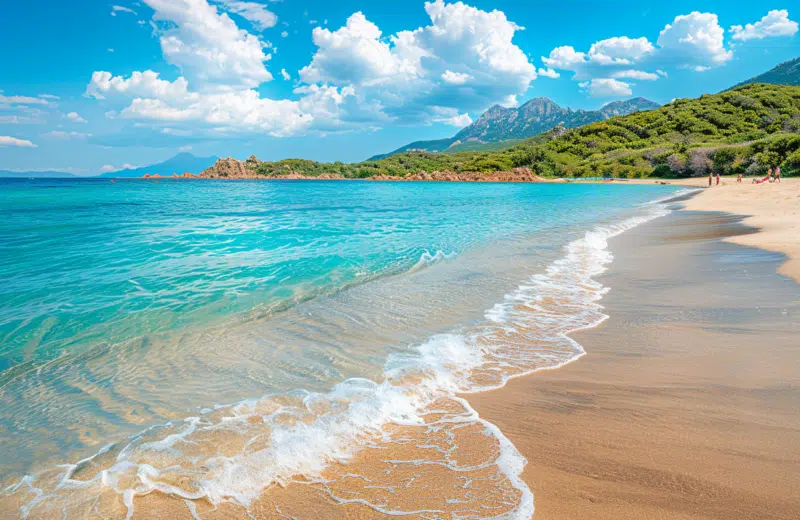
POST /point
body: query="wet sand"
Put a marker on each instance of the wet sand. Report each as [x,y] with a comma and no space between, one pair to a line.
[687,404]
[772,208]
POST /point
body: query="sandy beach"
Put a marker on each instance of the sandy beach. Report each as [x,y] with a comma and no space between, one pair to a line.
[686,405]
[772,208]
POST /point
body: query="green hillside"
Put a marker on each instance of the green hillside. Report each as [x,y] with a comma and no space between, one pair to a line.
[742,130]
[786,73]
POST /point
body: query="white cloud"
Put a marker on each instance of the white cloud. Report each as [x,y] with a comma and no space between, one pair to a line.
[775,23]
[237,111]
[284,34]
[460,120]
[111,168]
[110,50]
[120,9]
[635,74]
[620,50]
[285,75]
[255,13]
[358,77]
[140,85]
[208,47]
[6,140]
[23,100]
[427,66]
[693,41]
[455,78]
[20,120]
[565,57]
[75,117]
[49,96]
[352,54]
[606,87]
[64,136]
[549,73]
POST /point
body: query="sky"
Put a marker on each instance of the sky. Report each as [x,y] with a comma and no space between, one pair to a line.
[90,86]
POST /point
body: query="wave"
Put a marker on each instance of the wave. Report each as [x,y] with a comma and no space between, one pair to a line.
[385,445]
[427,259]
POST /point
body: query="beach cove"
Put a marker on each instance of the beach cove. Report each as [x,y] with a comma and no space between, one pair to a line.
[598,440]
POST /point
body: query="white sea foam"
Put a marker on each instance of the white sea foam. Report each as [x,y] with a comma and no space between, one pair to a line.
[427,259]
[232,453]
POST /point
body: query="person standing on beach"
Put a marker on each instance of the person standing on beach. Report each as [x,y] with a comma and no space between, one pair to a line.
[739,178]
[717,178]
[778,174]
[710,178]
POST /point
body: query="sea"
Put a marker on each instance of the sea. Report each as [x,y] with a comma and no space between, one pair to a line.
[214,341]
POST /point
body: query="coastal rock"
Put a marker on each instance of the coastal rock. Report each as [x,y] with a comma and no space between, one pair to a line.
[230,168]
[515,175]
[233,169]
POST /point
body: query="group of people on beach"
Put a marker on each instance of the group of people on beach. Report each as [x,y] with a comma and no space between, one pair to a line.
[771,176]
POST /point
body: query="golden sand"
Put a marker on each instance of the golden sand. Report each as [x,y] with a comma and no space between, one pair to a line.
[686,405]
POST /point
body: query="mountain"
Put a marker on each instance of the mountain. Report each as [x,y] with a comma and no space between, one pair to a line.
[534,117]
[5,174]
[787,73]
[746,130]
[181,163]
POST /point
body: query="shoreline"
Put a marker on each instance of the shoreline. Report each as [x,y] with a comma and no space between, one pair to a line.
[643,426]
[508,407]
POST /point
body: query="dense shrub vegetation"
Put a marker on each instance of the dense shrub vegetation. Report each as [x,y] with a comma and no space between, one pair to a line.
[747,130]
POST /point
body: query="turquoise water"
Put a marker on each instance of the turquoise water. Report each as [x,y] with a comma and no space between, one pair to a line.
[125,305]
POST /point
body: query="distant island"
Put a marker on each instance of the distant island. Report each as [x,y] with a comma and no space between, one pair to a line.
[182,163]
[745,130]
[178,165]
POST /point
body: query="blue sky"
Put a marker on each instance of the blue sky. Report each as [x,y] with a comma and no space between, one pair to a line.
[92,86]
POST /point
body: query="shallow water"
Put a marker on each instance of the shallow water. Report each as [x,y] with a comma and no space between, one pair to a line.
[340,316]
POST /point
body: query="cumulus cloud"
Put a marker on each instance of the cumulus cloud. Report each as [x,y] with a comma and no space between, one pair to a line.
[75,117]
[255,13]
[6,140]
[620,50]
[145,84]
[208,47]
[549,73]
[775,23]
[606,87]
[465,60]
[357,78]
[460,120]
[455,78]
[285,75]
[564,57]
[692,41]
